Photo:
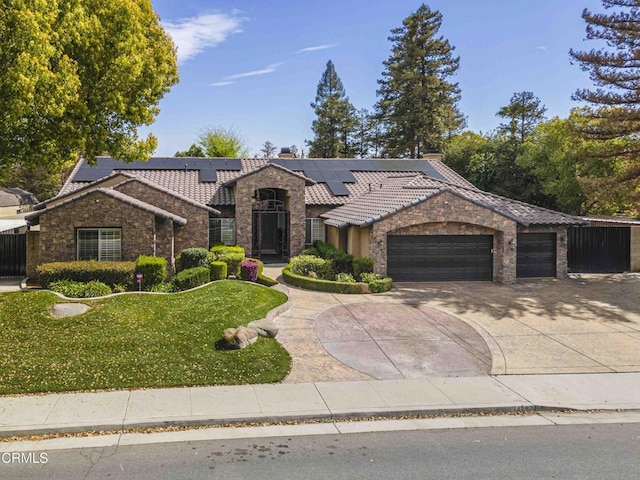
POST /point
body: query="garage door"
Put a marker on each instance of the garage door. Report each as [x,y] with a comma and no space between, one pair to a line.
[536,255]
[418,258]
[599,249]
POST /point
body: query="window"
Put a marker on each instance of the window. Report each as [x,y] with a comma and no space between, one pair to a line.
[314,230]
[222,230]
[99,244]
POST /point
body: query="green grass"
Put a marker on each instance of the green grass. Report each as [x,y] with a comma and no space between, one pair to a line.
[134,341]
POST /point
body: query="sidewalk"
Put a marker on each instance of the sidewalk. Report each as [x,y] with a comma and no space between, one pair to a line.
[76,412]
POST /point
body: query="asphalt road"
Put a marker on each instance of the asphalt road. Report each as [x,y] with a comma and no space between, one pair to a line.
[557,452]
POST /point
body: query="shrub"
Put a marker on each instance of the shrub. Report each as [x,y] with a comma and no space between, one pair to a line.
[311,251]
[232,256]
[218,270]
[264,280]
[345,277]
[164,287]
[72,289]
[259,262]
[341,262]
[153,270]
[307,265]
[191,278]
[194,257]
[249,271]
[380,285]
[321,285]
[362,265]
[110,273]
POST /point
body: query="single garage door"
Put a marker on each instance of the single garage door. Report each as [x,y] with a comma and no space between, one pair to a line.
[420,258]
[536,255]
[599,249]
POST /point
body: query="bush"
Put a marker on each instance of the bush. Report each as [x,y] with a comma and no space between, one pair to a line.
[264,280]
[341,262]
[249,271]
[153,270]
[110,273]
[218,270]
[362,265]
[345,277]
[380,285]
[164,287]
[191,278]
[72,289]
[311,251]
[232,256]
[193,257]
[308,265]
[259,262]
[321,285]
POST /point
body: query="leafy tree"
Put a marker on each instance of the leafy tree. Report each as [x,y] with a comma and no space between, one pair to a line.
[268,149]
[461,149]
[194,151]
[613,119]
[79,77]
[335,118]
[524,112]
[418,103]
[223,142]
[294,150]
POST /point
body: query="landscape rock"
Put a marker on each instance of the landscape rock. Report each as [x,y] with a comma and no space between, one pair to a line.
[62,310]
[236,338]
[264,327]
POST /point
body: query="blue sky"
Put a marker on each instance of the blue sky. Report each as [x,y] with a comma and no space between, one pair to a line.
[254,65]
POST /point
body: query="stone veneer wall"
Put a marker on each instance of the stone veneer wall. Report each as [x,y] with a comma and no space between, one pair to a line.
[33,252]
[448,211]
[270,177]
[635,249]
[96,210]
[561,232]
[314,211]
[194,234]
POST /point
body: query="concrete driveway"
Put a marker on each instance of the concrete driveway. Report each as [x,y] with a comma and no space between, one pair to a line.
[585,324]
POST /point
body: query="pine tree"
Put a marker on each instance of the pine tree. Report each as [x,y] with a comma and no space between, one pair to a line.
[418,103]
[613,119]
[268,150]
[335,118]
[524,112]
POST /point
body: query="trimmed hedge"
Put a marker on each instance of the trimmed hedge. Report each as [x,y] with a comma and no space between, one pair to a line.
[218,270]
[153,270]
[232,256]
[306,265]
[191,278]
[380,285]
[84,271]
[267,281]
[321,285]
[362,265]
[193,257]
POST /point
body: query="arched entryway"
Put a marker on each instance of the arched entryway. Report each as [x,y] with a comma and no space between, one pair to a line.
[270,224]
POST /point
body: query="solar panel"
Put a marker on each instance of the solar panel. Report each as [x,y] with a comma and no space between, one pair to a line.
[345,176]
[207,167]
[337,188]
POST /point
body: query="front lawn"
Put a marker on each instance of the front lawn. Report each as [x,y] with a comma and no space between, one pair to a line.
[134,341]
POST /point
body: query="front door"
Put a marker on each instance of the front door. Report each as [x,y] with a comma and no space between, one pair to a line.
[270,234]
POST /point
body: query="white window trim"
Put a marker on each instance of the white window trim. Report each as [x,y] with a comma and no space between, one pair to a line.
[99,232]
[227,230]
[317,230]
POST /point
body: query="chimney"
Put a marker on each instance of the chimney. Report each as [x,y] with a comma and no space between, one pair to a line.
[433,156]
[285,152]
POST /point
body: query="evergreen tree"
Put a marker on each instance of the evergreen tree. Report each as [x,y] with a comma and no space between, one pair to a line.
[268,150]
[524,112]
[335,118]
[418,103]
[223,142]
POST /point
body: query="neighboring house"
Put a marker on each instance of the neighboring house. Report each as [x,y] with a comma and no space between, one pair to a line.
[15,201]
[417,219]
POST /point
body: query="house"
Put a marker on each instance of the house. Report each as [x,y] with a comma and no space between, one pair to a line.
[15,201]
[416,218]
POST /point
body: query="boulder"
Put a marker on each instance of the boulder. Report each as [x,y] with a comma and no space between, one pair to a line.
[264,327]
[236,338]
[62,310]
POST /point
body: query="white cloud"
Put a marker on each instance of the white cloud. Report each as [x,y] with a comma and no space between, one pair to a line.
[220,84]
[268,69]
[541,47]
[317,47]
[193,34]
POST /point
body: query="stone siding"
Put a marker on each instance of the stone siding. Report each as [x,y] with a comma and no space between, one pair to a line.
[452,216]
[33,252]
[635,249]
[271,177]
[314,211]
[96,210]
[562,266]
[194,234]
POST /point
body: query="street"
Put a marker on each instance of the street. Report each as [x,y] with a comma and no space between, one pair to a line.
[610,451]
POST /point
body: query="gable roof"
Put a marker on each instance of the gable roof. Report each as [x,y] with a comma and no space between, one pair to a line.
[184,176]
[307,180]
[118,196]
[401,192]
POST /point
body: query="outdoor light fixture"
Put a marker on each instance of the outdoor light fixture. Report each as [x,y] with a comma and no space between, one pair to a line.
[512,244]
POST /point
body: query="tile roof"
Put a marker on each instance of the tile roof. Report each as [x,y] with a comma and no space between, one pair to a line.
[187,182]
[117,195]
[400,192]
[307,180]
